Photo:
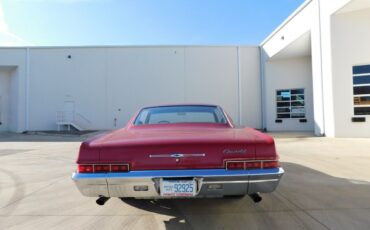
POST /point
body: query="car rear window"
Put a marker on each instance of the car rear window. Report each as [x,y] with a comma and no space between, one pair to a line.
[180,114]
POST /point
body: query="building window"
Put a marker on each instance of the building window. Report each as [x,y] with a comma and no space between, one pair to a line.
[290,103]
[361,89]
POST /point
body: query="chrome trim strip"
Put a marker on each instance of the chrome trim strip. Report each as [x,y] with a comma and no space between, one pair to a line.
[262,181]
[122,184]
[203,173]
[226,182]
[239,181]
[177,155]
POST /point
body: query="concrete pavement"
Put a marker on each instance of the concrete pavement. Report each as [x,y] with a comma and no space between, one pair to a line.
[326,186]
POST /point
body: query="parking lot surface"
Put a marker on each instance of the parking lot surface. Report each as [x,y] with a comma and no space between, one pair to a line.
[326,186]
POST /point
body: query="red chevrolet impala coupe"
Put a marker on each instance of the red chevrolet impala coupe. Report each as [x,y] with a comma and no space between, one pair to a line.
[178,151]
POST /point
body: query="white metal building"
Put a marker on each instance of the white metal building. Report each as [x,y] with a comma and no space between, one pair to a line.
[311,74]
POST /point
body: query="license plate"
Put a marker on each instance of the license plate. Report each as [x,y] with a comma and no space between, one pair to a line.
[179,188]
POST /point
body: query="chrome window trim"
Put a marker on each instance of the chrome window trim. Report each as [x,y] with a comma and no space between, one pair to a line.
[177,155]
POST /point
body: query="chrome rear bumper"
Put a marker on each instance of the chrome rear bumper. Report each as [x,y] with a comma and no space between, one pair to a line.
[229,182]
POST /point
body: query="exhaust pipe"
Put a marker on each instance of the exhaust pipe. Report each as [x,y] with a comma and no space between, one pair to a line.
[255,197]
[101,200]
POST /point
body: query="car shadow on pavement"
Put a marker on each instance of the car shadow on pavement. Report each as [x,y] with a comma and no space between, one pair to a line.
[305,199]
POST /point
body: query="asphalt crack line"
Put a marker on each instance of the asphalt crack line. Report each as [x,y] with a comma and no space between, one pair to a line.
[30,194]
[304,211]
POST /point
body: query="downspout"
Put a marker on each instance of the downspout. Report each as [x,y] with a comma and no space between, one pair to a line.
[27,89]
[322,74]
[262,81]
[239,87]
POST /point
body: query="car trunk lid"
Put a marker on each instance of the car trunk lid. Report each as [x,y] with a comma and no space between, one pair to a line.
[187,147]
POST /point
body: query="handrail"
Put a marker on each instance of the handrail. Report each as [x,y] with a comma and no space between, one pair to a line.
[83,117]
[74,117]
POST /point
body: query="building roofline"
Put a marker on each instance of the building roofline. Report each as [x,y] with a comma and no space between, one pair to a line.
[286,21]
[127,46]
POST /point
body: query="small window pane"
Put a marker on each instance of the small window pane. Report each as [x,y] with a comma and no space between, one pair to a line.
[283,110]
[298,103]
[280,98]
[362,111]
[283,104]
[361,100]
[298,115]
[361,69]
[361,80]
[297,97]
[283,93]
[297,91]
[298,110]
[283,115]
[361,90]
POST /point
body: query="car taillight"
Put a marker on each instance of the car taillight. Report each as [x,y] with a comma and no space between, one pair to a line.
[119,168]
[253,165]
[85,168]
[235,165]
[246,165]
[270,164]
[102,168]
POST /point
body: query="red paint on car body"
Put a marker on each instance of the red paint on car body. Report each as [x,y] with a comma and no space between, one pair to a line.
[153,147]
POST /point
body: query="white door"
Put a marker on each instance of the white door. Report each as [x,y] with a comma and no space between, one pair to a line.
[69,110]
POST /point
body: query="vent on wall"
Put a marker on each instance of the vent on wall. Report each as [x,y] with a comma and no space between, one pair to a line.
[358,119]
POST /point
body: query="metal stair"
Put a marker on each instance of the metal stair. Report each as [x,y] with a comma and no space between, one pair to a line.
[72,119]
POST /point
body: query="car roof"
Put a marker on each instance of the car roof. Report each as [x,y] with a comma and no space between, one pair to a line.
[172,105]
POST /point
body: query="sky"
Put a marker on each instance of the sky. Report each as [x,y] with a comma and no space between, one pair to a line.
[140,22]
